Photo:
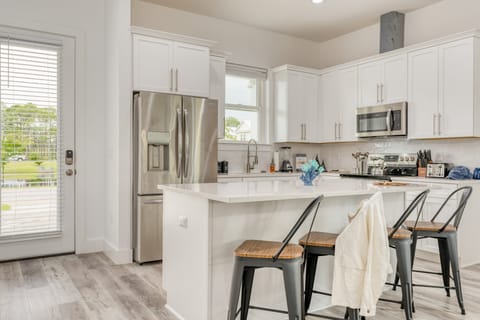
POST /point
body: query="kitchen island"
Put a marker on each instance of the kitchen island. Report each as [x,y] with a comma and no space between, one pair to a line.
[204,223]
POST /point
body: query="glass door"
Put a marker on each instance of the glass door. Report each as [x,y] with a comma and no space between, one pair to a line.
[36,145]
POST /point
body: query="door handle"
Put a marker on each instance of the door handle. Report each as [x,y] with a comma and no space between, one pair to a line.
[152,201]
[389,120]
[439,127]
[176,80]
[69,172]
[178,139]
[186,143]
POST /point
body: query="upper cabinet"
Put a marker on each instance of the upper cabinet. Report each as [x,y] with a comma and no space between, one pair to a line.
[172,67]
[295,106]
[383,81]
[338,101]
[442,90]
[217,90]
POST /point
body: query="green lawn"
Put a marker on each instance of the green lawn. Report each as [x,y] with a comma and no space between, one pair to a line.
[29,170]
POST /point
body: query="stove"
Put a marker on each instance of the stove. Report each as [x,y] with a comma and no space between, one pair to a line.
[392,164]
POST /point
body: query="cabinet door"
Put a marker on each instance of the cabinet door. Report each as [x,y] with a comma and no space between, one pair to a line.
[192,69]
[329,115]
[295,106]
[457,89]
[422,93]
[310,106]
[217,90]
[347,103]
[369,81]
[152,64]
[394,86]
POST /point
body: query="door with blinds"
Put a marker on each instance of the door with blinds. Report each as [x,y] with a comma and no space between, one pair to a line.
[37,170]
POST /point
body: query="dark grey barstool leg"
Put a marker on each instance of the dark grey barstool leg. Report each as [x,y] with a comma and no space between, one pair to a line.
[453,253]
[405,269]
[353,314]
[247,284]
[445,263]
[292,277]
[310,279]
[237,277]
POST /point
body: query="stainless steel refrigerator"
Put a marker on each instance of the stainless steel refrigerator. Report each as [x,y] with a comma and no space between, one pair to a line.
[174,142]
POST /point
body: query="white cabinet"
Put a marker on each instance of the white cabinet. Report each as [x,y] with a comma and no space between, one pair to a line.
[338,101]
[295,106]
[173,67]
[441,89]
[217,90]
[383,81]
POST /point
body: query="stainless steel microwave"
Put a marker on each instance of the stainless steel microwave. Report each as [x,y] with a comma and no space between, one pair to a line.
[384,120]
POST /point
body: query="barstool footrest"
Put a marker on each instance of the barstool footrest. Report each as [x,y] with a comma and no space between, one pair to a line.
[431,286]
[428,272]
[323,317]
[322,293]
[268,309]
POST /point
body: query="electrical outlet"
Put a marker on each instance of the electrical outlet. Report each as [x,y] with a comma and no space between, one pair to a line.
[183,221]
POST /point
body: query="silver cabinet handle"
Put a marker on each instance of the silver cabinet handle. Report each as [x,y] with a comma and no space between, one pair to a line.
[301,131]
[439,126]
[186,143]
[171,79]
[434,124]
[304,131]
[378,88]
[381,92]
[176,80]
[178,138]
[336,128]
[339,131]
[152,201]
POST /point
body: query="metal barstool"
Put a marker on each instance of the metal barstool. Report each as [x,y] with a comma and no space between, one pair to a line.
[446,234]
[318,244]
[254,254]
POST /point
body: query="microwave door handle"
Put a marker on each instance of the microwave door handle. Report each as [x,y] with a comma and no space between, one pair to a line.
[389,120]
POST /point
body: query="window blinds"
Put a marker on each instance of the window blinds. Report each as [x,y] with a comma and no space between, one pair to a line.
[247,71]
[30,139]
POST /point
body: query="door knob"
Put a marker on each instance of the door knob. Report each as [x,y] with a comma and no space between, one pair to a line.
[69,172]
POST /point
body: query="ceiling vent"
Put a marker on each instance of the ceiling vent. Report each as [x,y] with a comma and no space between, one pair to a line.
[392,31]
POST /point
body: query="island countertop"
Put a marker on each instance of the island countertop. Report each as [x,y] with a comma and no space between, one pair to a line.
[255,191]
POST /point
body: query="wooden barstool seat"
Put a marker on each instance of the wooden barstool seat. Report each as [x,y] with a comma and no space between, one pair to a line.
[400,234]
[429,226]
[267,249]
[319,239]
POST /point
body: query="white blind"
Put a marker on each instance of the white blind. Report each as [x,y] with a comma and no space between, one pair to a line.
[30,199]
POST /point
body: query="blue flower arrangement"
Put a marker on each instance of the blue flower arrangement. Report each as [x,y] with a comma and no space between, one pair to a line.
[310,170]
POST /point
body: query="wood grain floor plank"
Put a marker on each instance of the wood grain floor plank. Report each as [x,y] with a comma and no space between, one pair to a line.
[33,273]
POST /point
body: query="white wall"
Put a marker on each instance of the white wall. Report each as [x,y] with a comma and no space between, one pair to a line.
[248,45]
[83,20]
[441,19]
[118,131]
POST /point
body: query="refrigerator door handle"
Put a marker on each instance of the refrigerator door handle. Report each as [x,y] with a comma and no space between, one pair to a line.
[186,143]
[152,202]
[178,139]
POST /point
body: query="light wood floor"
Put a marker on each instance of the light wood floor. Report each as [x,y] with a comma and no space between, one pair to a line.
[91,287]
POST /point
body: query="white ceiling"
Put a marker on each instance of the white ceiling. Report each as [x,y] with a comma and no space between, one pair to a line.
[299,18]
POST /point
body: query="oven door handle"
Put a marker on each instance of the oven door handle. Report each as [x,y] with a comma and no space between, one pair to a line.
[389,120]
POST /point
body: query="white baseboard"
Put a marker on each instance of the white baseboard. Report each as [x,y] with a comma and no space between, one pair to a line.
[174,313]
[123,256]
[90,246]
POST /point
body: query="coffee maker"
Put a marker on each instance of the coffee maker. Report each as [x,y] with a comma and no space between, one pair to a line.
[285,159]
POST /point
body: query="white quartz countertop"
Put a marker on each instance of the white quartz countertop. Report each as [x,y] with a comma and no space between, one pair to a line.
[421,180]
[259,175]
[255,191]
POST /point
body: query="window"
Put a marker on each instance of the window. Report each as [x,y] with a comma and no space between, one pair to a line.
[244,103]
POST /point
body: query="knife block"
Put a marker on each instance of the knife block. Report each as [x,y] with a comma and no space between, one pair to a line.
[422,172]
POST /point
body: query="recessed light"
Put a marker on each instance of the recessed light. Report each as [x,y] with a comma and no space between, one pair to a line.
[317,1]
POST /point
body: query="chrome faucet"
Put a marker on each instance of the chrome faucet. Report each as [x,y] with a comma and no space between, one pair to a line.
[251,165]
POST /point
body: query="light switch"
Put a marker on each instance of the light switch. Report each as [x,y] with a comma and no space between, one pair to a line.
[183,221]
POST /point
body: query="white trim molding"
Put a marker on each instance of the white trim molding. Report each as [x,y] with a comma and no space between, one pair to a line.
[173,36]
[118,256]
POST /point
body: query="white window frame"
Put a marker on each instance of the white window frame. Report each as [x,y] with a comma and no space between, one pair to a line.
[260,75]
